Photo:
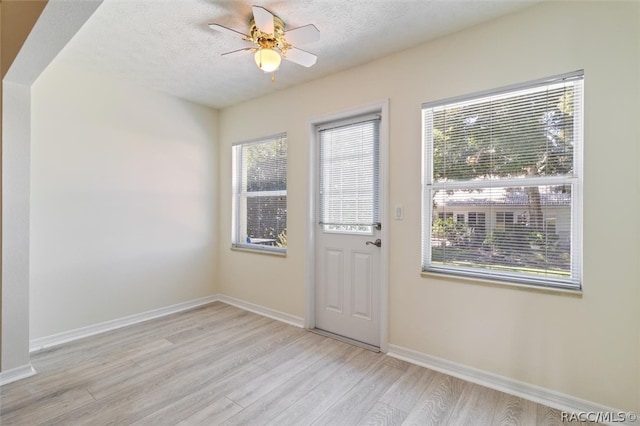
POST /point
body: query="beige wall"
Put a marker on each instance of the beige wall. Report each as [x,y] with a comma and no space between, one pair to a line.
[587,346]
[123,200]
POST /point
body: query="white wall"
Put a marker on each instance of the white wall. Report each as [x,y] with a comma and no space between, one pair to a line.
[56,25]
[15,238]
[586,346]
[123,200]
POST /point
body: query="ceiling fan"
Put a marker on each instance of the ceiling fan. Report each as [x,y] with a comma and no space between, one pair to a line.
[270,42]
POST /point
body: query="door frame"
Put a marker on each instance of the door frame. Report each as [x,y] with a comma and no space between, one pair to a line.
[382,107]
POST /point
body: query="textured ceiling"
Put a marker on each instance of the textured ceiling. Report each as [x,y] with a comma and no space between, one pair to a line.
[166,45]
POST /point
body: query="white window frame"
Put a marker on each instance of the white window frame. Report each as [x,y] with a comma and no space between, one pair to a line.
[575,180]
[239,241]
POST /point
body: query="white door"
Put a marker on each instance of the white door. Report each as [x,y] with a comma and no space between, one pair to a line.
[347,252]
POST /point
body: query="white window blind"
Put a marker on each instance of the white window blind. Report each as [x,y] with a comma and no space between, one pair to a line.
[349,173]
[260,194]
[511,157]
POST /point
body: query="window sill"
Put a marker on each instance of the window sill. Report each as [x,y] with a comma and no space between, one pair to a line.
[498,283]
[279,253]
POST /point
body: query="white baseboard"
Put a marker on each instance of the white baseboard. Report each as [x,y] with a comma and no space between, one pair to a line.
[68,336]
[261,310]
[18,373]
[551,398]
[91,330]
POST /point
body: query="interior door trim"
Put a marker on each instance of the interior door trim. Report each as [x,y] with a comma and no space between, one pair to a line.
[382,107]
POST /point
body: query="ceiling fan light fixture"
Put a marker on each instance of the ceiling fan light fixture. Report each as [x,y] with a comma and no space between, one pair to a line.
[269,43]
[268,60]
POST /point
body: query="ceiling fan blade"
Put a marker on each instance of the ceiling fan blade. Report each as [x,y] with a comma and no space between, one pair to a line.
[226,30]
[263,19]
[301,57]
[301,35]
[235,52]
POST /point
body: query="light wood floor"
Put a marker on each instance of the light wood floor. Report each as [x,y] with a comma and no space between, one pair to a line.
[220,365]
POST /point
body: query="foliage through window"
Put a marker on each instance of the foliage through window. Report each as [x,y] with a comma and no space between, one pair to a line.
[508,161]
[260,194]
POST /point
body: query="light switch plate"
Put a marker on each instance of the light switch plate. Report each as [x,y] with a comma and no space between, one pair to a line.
[398,212]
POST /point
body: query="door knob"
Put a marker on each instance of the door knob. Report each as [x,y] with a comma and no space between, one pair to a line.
[377,243]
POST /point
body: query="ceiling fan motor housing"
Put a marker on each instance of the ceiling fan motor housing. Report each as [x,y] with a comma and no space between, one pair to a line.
[270,41]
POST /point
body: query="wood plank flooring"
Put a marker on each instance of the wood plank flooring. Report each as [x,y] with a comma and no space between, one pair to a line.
[220,365]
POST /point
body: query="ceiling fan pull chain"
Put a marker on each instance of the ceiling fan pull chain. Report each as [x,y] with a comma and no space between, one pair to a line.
[273,77]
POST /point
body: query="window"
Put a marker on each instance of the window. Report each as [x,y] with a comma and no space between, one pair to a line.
[477,220]
[349,175]
[260,194]
[476,228]
[511,159]
[504,220]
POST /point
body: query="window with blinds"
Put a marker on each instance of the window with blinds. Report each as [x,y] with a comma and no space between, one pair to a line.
[509,161]
[349,175]
[260,194]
